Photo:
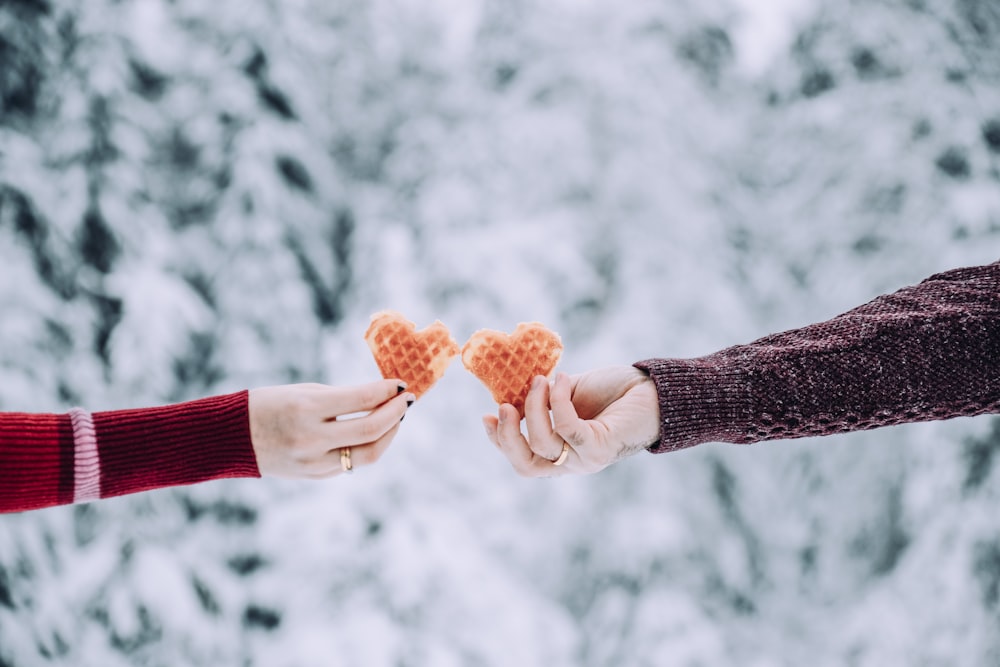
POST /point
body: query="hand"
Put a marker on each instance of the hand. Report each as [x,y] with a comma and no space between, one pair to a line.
[604,416]
[296,431]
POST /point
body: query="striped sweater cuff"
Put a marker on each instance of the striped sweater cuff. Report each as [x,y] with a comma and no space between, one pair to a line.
[86,460]
[48,459]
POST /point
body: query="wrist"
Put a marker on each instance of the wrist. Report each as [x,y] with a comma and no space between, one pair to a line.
[699,400]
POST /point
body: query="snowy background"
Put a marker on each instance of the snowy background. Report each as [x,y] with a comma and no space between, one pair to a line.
[197,197]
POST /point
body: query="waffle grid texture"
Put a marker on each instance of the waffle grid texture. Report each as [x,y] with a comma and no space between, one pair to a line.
[419,358]
[506,363]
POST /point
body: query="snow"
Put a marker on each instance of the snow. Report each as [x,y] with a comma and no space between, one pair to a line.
[764,31]
[648,178]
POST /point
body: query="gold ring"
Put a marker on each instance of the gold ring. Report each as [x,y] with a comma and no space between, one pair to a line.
[345,460]
[563,455]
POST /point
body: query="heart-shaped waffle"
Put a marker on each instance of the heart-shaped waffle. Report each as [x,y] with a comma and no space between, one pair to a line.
[419,358]
[506,364]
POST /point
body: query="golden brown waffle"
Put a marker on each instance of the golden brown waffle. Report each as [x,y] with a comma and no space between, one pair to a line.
[506,364]
[419,358]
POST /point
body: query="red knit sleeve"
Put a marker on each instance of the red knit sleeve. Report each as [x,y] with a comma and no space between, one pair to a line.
[178,444]
[57,459]
[36,461]
[930,351]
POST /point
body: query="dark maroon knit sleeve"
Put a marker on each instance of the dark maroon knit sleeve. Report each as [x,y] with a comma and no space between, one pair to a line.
[930,351]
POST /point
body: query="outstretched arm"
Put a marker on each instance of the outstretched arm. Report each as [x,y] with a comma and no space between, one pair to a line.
[286,431]
[930,351]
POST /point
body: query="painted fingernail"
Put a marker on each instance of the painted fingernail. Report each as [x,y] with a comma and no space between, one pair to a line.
[402,418]
[410,401]
[401,387]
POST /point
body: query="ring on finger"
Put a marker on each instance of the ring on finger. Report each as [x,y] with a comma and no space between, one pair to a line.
[562,455]
[345,460]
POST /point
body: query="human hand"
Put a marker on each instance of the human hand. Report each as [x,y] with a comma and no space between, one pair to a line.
[603,415]
[297,432]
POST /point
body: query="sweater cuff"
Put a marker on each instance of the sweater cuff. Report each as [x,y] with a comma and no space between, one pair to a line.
[701,400]
[172,445]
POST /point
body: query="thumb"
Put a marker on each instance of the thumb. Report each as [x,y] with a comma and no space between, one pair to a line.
[565,420]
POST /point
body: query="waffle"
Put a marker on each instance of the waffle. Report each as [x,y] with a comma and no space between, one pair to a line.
[419,358]
[506,364]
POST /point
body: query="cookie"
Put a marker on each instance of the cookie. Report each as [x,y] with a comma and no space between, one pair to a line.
[506,363]
[419,358]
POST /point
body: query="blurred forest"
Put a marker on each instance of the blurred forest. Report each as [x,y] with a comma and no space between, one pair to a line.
[198,197]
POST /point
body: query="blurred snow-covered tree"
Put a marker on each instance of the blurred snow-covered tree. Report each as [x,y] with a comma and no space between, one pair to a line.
[890,107]
[173,225]
[197,197]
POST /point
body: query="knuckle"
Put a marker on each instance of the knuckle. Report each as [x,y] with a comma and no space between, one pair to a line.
[537,452]
[563,424]
[300,447]
[569,435]
[372,394]
[370,429]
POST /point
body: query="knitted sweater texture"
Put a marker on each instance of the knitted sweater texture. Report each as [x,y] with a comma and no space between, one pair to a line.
[48,459]
[930,351]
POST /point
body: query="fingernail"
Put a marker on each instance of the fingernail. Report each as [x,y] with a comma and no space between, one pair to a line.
[402,418]
[401,387]
[410,401]
[536,383]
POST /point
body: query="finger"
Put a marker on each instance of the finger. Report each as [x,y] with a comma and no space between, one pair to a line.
[511,441]
[490,423]
[541,439]
[566,423]
[331,463]
[362,398]
[371,427]
[366,455]
[515,447]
